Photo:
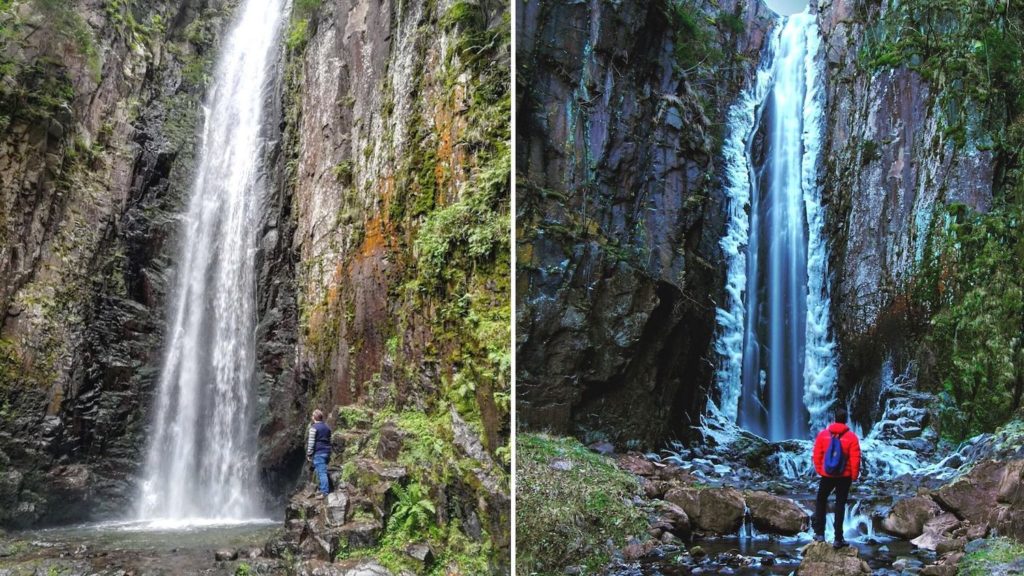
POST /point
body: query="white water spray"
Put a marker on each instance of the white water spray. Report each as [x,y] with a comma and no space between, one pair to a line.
[778,369]
[201,461]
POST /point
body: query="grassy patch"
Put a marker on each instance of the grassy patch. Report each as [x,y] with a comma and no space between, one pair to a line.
[995,552]
[568,517]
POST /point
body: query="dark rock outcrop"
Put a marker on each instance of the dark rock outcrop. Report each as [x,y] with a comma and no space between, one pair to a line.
[620,210]
[321,527]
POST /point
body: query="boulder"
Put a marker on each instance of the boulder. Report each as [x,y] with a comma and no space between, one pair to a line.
[674,517]
[936,530]
[225,555]
[908,517]
[775,514]
[973,496]
[635,463]
[337,507]
[390,442]
[360,534]
[820,559]
[950,545]
[422,554]
[990,496]
[938,570]
[715,510]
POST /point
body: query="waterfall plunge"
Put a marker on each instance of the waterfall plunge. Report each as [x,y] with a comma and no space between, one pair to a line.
[201,461]
[778,369]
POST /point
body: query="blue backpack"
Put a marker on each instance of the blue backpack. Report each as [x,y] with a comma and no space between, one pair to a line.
[835,460]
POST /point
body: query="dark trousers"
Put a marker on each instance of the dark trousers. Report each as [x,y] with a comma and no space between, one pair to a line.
[841,486]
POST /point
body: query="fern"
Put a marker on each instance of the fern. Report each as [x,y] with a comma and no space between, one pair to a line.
[413,510]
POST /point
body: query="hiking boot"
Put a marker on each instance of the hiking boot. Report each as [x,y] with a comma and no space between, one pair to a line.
[819,537]
[840,544]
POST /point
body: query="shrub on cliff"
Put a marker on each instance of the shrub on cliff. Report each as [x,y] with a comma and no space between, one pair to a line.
[571,503]
[973,284]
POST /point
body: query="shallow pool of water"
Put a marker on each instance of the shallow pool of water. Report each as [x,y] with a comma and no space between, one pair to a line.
[159,547]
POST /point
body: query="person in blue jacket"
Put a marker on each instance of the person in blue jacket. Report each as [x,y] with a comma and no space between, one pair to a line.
[318,449]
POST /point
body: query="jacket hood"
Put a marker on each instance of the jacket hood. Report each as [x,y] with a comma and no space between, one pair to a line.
[837,428]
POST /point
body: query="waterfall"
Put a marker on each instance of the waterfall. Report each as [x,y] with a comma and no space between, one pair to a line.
[201,461]
[778,368]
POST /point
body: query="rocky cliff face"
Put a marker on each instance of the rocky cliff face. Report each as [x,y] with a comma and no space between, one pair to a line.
[100,105]
[621,117]
[398,157]
[898,151]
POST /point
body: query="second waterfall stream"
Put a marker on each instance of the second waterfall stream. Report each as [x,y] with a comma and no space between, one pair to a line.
[201,463]
[777,376]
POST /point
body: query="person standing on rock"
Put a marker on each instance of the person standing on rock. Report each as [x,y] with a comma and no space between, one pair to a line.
[836,458]
[318,449]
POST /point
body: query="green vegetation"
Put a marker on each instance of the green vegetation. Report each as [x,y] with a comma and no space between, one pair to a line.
[343,172]
[694,41]
[413,510]
[572,503]
[429,455]
[122,16]
[988,559]
[972,283]
[243,569]
[969,52]
[299,26]
[460,227]
[968,290]
[61,17]
[436,202]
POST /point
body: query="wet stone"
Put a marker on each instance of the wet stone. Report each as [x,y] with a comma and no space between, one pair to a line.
[422,553]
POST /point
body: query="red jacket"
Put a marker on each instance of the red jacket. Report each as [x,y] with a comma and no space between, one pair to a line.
[851,448]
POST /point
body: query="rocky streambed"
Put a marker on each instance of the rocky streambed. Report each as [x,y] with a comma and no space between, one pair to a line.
[137,549]
[743,508]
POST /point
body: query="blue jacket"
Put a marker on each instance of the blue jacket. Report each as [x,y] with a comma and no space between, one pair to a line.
[318,440]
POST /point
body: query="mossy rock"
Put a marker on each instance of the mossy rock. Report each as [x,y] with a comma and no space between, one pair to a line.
[354,417]
[996,556]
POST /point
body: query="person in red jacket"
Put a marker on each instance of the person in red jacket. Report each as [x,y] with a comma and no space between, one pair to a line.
[839,483]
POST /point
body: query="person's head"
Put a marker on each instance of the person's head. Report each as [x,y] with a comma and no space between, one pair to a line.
[841,415]
[318,415]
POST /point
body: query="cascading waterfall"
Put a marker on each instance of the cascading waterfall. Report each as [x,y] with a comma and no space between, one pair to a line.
[778,369]
[202,453]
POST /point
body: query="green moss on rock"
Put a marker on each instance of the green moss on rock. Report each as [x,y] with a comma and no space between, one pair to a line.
[994,557]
